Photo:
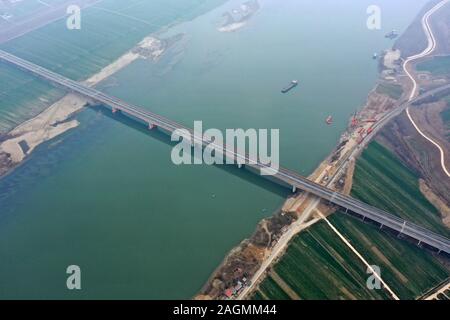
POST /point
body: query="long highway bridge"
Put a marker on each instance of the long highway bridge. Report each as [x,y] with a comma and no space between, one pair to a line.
[283,176]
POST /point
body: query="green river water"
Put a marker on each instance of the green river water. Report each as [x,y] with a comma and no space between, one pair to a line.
[106,196]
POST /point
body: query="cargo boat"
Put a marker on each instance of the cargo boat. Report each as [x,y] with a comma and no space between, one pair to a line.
[291,86]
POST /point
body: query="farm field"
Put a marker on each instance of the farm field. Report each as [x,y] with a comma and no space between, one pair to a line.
[446,119]
[409,270]
[318,265]
[394,91]
[22,96]
[108,30]
[23,9]
[437,65]
[380,177]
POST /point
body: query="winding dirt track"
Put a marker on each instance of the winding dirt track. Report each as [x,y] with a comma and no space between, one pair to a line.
[430,48]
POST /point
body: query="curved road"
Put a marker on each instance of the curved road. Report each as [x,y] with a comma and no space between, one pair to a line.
[430,48]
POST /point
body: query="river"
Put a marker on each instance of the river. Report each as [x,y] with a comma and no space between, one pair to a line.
[107,197]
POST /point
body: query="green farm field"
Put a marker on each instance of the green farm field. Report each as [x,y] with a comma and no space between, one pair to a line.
[394,91]
[380,178]
[108,30]
[437,65]
[22,96]
[318,265]
[446,119]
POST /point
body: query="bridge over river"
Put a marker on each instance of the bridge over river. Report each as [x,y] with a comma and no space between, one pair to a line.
[283,176]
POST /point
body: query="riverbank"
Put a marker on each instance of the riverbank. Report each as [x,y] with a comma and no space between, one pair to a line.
[54,121]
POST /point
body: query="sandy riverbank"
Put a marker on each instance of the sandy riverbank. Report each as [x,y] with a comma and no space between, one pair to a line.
[47,125]
[53,121]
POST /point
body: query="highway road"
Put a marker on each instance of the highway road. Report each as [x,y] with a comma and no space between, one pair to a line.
[283,175]
[428,50]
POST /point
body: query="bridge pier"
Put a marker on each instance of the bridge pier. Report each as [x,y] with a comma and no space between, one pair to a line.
[401,231]
[403,227]
[114,110]
[239,165]
[151,126]
[294,189]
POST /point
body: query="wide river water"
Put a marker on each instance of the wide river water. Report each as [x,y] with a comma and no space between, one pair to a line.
[106,195]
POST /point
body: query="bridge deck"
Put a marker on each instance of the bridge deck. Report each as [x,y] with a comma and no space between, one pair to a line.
[283,175]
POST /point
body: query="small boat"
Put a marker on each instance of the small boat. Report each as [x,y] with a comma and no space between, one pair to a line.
[375,56]
[329,120]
